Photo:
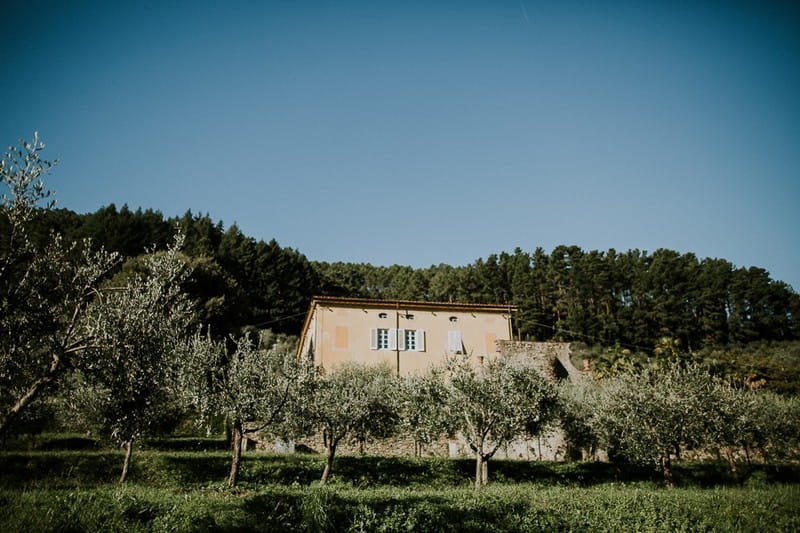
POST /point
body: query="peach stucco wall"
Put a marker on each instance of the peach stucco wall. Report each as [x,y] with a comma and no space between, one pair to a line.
[339,334]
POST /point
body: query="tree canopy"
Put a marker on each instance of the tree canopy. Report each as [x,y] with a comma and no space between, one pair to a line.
[494,403]
[606,298]
[255,383]
[353,401]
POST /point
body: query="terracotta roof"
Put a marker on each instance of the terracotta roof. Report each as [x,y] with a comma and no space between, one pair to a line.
[409,304]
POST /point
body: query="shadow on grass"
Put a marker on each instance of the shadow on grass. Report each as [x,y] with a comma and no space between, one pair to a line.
[717,473]
[396,471]
[320,509]
[70,443]
[187,444]
[189,468]
[58,469]
[324,509]
[582,474]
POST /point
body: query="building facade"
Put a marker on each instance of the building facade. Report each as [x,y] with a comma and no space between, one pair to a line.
[410,336]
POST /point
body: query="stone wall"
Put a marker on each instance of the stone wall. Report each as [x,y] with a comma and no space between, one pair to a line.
[396,446]
[552,359]
[548,447]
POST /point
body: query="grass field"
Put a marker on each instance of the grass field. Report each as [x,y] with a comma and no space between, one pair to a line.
[178,485]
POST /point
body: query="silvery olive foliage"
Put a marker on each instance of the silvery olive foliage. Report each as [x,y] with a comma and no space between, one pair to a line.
[139,330]
[248,383]
[732,423]
[46,288]
[253,386]
[746,421]
[649,416]
[758,421]
[576,401]
[21,169]
[493,403]
[353,401]
[421,413]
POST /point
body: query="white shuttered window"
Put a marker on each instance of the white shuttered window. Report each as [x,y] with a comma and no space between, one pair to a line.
[381,339]
[412,340]
[454,342]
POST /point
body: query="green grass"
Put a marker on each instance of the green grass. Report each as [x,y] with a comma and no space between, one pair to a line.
[522,507]
[171,469]
[171,489]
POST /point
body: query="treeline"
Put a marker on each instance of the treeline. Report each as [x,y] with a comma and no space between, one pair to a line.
[608,298]
[237,282]
[631,299]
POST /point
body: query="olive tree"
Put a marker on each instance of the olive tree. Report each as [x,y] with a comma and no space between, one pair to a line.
[494,403]
[46,288]
[734,422]
[774,425]
[353,400]
[747,420]
[140,329]
[251,383]
[576,402]
[421,409]
[649,416]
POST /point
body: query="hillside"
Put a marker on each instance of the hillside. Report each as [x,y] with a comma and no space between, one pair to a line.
[618,303]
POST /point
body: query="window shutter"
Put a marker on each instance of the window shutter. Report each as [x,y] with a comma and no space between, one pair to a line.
[401,339]
[420,340]
[454,341]
[392,339]
[373,339]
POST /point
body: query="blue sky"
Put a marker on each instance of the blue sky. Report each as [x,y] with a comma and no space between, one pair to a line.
[425,132]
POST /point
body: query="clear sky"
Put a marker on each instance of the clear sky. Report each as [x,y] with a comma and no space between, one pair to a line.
[425,132]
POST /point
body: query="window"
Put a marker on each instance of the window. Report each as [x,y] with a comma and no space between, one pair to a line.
[491,342]
[411,339]
[454,342]
[383,339]
[397,339]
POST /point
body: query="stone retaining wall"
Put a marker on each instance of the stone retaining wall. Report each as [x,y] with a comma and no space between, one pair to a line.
[552,359]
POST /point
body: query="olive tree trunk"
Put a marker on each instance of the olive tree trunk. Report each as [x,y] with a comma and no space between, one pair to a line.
[330,453]
[236,452]
[666,469]
[731,458]
[481,465]
[128,445]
